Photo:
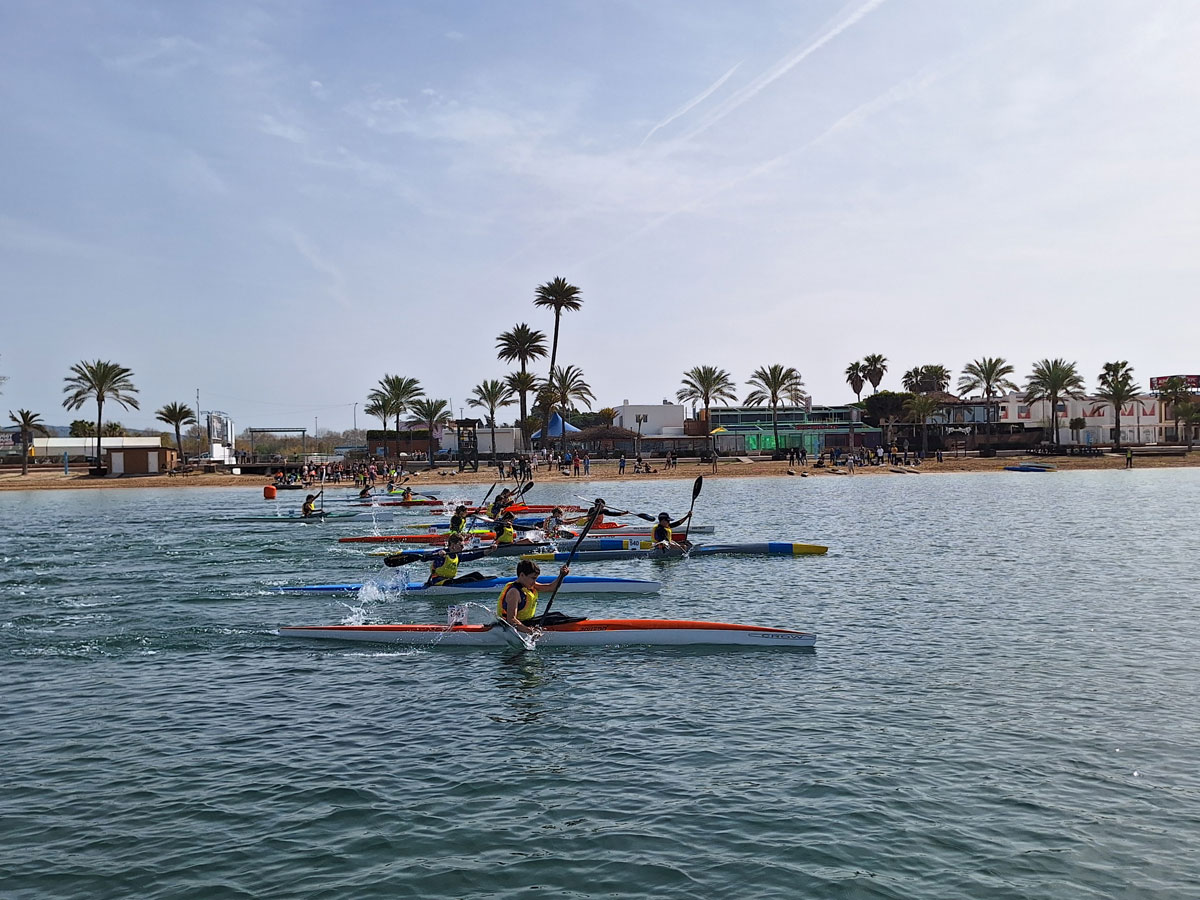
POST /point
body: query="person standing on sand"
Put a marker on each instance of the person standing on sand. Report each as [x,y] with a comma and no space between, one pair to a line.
[1129,457]
[621,465]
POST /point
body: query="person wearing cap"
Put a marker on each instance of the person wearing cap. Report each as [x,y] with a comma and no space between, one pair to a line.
[662,534]
[309,509]
[517,603]
[443,567]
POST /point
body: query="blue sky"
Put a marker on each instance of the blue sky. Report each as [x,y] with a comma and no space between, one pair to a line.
[277,203]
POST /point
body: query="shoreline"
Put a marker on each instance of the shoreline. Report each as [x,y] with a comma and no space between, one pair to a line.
[601,471]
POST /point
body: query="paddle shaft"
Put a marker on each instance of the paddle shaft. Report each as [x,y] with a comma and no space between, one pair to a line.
[596,510]
[695,493]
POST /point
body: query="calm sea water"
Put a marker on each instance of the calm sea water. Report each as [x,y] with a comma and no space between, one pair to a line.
[1002,703]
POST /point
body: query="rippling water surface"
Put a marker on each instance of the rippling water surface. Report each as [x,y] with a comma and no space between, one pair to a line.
[1002,703]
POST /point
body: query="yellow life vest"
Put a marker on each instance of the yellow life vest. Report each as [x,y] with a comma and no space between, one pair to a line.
[309,508]
[447,570]
[526,609]
[506,535]
[662,533]
[457,524]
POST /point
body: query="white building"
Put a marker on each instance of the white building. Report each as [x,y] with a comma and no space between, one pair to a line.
[1140,420]
[508,440]
[664,419]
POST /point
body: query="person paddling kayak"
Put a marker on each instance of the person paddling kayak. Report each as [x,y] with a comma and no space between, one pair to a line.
[309,509]
[444,564]
[502,500]
[458,521]
[517,603]
[662,534]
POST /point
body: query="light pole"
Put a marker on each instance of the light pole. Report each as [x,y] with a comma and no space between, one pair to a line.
[354,413]
[640,419]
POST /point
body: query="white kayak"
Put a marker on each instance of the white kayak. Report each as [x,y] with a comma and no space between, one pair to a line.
[572,584]
[573,632]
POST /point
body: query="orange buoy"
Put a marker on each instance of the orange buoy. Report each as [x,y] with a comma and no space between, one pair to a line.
[269,492]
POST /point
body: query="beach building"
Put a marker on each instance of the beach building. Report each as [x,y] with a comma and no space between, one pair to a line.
[815,429]
[1142,421]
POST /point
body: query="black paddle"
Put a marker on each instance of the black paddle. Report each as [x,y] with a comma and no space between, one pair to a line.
[402,559]
[596,510]
[695,493]
[644,516]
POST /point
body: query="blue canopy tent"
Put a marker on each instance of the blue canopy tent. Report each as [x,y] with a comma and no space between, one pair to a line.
[557,425]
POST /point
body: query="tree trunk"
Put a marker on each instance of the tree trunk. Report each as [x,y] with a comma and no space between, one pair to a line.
[493,437]
[553,360]
[24,452]
[775,426]
[100,420]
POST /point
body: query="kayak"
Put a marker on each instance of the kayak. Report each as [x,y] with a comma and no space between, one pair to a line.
[572,584]
[573,632]
[440,537]
[296,517]
[522,549]
[647,550]
[1030,467]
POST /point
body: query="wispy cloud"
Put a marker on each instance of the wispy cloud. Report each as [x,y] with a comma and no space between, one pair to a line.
[307,249]
[780,69]
[268,124]
[162,55]
[691,104]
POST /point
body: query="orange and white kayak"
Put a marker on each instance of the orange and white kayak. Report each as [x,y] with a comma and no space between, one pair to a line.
[571,632]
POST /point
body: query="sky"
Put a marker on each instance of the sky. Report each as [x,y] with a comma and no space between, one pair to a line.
[277,203]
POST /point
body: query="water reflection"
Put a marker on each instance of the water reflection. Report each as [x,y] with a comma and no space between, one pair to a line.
[520,680]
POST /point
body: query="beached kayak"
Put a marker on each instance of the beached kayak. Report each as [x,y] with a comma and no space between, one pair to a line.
[572,584]
[572,633]
[1031,467]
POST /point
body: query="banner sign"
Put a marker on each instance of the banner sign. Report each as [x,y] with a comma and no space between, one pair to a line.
[1192,381]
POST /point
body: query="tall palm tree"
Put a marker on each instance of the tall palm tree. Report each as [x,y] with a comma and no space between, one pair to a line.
[1175,391]
[177,415]
[522,384]
[1050,380]
[491,395]
[919,408]
[704,384]
[608,414]
[100,381]
[771,384]
[398,392]
[856,378]
[566,386]
[1187,412]
[430,413]
[1118,388]
[989,375]
[521,344]
[874,367]
[558,295]
[28,422]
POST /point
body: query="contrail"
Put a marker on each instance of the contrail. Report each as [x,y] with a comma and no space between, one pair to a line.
[691,104]
[780,69]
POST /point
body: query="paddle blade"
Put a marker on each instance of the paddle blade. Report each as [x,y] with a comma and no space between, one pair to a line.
[401,559]
[696,487]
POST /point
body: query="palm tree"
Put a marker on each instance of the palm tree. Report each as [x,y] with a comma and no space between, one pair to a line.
[874,366]
[704,384]
[566,386]
[919,408]
[856,378]
[608,414]
[380,409]
[100,381]
[522,384]
[430,413]
[1050,380]
[521,344]
[178,415]
[1187,412]
[398,393]
[1118,388]
[1175,392]
[923,379]
[28,422]
[771,384]
[558,295]
[491,395]
[989,375]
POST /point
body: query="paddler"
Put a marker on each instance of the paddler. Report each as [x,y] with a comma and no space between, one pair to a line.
[458,521]
[517,603]
[444,564]
[663,536]
[365,492]
[309,509]
[502,500]
[552,523]
[406,494]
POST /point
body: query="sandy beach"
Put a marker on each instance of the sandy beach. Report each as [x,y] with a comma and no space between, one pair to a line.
[606,470]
